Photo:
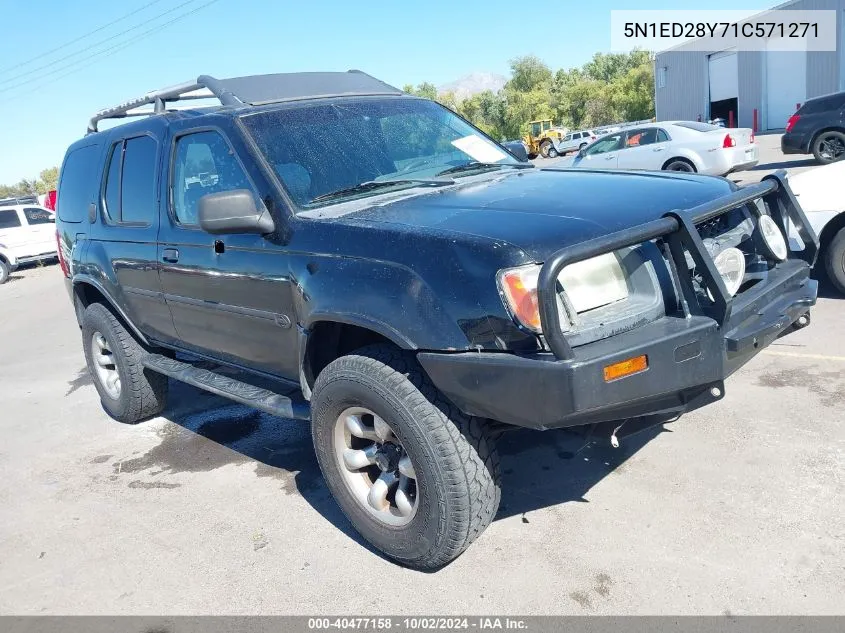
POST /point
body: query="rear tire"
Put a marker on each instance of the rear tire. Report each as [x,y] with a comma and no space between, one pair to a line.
[829,147]
[679,164]
[834,260]
[455,464]
[5,271]
[128,391]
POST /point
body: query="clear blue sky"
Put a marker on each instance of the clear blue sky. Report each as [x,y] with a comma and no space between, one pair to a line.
[44,105]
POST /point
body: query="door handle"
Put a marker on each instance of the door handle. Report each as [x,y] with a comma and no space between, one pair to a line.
[610,157]
[658,149]
[170,255]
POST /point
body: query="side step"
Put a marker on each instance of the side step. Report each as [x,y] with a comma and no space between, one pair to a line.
[250,395]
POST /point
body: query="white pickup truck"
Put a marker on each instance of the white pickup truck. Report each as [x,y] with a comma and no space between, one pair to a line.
[27,234]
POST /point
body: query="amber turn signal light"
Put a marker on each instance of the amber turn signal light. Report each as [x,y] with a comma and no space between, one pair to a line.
[626,367]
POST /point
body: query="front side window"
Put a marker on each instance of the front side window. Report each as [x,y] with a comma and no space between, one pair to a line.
[203,163]
[535,129]
[323,150]
[9,219]
[609,143]
[34,215]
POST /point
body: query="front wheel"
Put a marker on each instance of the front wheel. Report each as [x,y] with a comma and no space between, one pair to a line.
[415,477]
[829,147]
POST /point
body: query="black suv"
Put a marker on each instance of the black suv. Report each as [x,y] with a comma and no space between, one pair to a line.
[372,262]
[818,127]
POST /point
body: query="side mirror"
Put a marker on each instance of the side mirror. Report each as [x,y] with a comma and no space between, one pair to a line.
[233,212]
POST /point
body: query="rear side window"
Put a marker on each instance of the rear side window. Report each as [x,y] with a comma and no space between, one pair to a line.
[77,184]
[9,219]
[129,192]
[825,104]
[35,215]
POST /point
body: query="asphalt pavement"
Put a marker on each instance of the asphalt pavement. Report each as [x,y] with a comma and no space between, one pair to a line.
[214,508]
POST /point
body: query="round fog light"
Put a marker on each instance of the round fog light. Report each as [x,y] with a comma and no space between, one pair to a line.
[773,238]
[731,266]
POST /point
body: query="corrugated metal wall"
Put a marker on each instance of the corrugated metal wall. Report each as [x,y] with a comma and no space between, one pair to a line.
[686,93]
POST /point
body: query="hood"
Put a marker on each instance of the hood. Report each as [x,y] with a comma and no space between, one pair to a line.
[541,211]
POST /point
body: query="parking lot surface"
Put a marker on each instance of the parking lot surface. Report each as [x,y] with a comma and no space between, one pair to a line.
[216,508]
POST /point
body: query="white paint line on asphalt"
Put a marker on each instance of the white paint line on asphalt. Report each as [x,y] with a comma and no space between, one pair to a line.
[772,352]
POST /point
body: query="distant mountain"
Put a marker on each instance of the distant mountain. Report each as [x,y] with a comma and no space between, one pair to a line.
[473,83]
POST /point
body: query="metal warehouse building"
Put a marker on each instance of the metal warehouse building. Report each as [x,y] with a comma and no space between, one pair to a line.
[691,84]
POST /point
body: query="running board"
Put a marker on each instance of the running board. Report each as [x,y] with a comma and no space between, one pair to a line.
[250,395]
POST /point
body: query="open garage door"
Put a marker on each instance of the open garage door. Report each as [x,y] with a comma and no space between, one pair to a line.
[724,85]
[786,80]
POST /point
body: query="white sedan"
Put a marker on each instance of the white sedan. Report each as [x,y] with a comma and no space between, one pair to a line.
[673,146]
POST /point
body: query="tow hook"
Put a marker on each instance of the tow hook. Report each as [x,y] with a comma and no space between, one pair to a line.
[614,439]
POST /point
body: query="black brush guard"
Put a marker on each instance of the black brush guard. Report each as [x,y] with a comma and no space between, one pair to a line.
[678,232]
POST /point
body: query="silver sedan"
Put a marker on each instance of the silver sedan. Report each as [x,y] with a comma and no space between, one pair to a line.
[673,146]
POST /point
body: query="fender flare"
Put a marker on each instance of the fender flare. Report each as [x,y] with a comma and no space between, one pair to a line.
[367,323]
[91,281]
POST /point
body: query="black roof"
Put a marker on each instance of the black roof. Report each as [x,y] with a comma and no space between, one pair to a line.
[253,90]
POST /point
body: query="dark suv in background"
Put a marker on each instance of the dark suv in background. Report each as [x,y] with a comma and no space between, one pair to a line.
[818,128]
[371,262]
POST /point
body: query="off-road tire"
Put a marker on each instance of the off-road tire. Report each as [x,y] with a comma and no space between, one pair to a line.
[143,392]
[828,136]
[5,271]
[457,466]
[834,261]
[545,147]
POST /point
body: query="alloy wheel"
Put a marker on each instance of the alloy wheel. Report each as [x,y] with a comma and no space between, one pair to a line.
[375,466]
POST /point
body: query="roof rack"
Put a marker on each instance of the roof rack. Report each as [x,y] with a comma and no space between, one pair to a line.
[251,90]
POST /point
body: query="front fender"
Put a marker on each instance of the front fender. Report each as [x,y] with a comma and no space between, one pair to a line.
[387,298]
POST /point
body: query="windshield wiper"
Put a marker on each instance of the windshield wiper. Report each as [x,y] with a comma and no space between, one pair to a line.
[473,165]
[372,185]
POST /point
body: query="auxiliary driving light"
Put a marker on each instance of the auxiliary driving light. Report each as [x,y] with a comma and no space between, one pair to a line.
[772,238]
[731,266]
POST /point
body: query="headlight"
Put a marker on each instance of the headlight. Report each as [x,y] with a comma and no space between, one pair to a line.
[731,266]
[772,238]
[589,284]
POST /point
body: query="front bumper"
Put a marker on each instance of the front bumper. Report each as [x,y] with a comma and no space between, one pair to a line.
[688,360]
[689,352]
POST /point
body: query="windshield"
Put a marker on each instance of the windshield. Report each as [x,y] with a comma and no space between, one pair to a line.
[333,148]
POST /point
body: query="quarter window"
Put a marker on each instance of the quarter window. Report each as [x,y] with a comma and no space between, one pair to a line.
[9,219]
[203,163]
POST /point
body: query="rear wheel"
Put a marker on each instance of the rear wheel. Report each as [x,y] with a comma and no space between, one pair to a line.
[679,164]
[5,270]
[834,260]
[415,477]
[829,147]
[128,391]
